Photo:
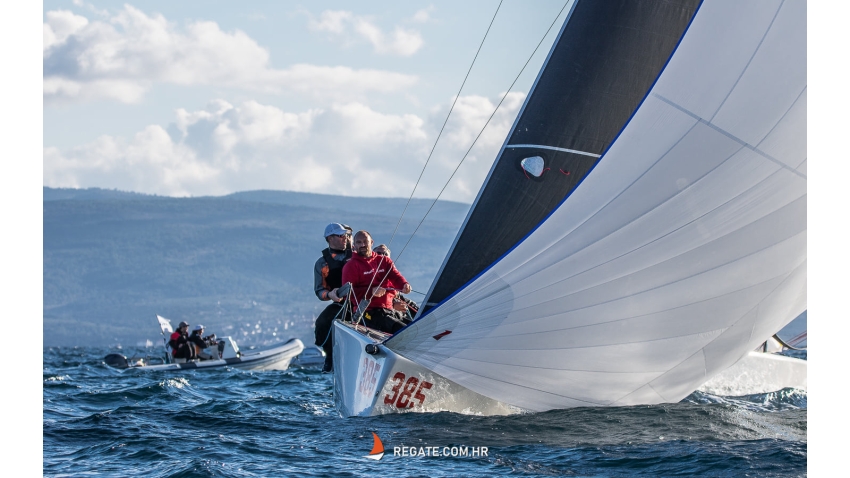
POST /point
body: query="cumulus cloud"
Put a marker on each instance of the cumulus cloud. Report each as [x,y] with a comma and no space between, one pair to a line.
[150,157]
[122,58]
[346,148]
[347,26]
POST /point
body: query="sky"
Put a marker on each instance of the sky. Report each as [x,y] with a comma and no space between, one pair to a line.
[199,98]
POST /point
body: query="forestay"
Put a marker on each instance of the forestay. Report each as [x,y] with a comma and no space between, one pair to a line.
[667,237]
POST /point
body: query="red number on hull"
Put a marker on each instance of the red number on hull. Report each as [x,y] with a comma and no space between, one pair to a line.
[399,378]
[411,388]
[419,395]
[369,379]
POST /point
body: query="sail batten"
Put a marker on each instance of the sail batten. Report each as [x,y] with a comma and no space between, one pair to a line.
[553,148]
[663,261]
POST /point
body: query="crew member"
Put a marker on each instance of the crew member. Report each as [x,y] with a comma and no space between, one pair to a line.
[200,342]
[181,349]
[370,275]
[404,308]
[327,278]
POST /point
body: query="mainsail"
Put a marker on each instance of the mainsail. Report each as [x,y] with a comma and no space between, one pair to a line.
[665,236]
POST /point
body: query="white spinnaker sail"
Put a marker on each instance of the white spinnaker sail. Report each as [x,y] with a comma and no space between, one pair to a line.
[681,251]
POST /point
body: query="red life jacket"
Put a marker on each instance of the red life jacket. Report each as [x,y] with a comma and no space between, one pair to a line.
[173,342]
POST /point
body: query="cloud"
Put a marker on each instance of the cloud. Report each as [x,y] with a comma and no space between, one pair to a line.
[423,15]
[91,8]
[122,58]
[149,158]
[333,21]
[60,25]
[345,25]
[347,148]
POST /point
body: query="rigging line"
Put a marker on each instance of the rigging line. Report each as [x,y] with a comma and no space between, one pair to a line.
[483,128]
[444,123]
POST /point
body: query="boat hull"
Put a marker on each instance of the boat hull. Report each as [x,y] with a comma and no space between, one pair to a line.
[385,382]
[275,358]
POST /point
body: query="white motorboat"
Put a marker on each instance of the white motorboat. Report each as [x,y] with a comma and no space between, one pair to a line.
[641,231]
[312,357]
[226,353]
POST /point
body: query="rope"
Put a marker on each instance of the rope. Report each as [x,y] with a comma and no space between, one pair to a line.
[444,123]
[482,129]
[367,296]
[341,310]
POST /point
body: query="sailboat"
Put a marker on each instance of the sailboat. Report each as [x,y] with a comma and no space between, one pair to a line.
[641,230]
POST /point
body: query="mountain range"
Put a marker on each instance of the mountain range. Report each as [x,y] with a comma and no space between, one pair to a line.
[241,264]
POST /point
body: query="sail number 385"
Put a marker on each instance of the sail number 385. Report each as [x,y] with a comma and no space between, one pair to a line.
[404,392]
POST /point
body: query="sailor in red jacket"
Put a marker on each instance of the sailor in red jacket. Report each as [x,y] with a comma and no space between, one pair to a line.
[369,275]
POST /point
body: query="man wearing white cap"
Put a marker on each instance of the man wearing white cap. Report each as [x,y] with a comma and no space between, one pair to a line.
[200,342]
[327,278]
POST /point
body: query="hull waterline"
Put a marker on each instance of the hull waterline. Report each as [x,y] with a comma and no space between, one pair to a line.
[275,358]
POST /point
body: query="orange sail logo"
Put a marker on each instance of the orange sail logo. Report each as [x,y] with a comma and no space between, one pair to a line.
[377,449]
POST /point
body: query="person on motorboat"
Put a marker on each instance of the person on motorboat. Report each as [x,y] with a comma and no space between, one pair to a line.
[181,349]
[370,276]
[405,308]
[327,279]
[200,343]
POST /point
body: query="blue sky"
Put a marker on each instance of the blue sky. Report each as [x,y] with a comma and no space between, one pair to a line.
[207,98]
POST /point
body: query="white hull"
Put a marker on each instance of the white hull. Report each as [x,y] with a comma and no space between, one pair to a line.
[377,384]
[759,372]
[368,385]
[275,358]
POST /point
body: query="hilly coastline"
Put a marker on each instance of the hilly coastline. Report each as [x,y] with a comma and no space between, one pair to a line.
[240,264]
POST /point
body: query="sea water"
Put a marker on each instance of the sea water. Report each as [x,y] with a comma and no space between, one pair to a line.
[99,421]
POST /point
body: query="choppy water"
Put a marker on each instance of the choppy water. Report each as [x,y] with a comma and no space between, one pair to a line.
[103,422]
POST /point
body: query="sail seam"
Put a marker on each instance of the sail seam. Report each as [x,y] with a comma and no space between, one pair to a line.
[729,135]
[793,103]
[585,347]
[523,386]
[755,307]
[553,148]
[642,215]
[660,372]
[677,280]
[747,67]
[707,213]
[634,317]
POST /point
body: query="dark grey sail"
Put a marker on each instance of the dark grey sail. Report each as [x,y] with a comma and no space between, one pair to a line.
[607,57]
